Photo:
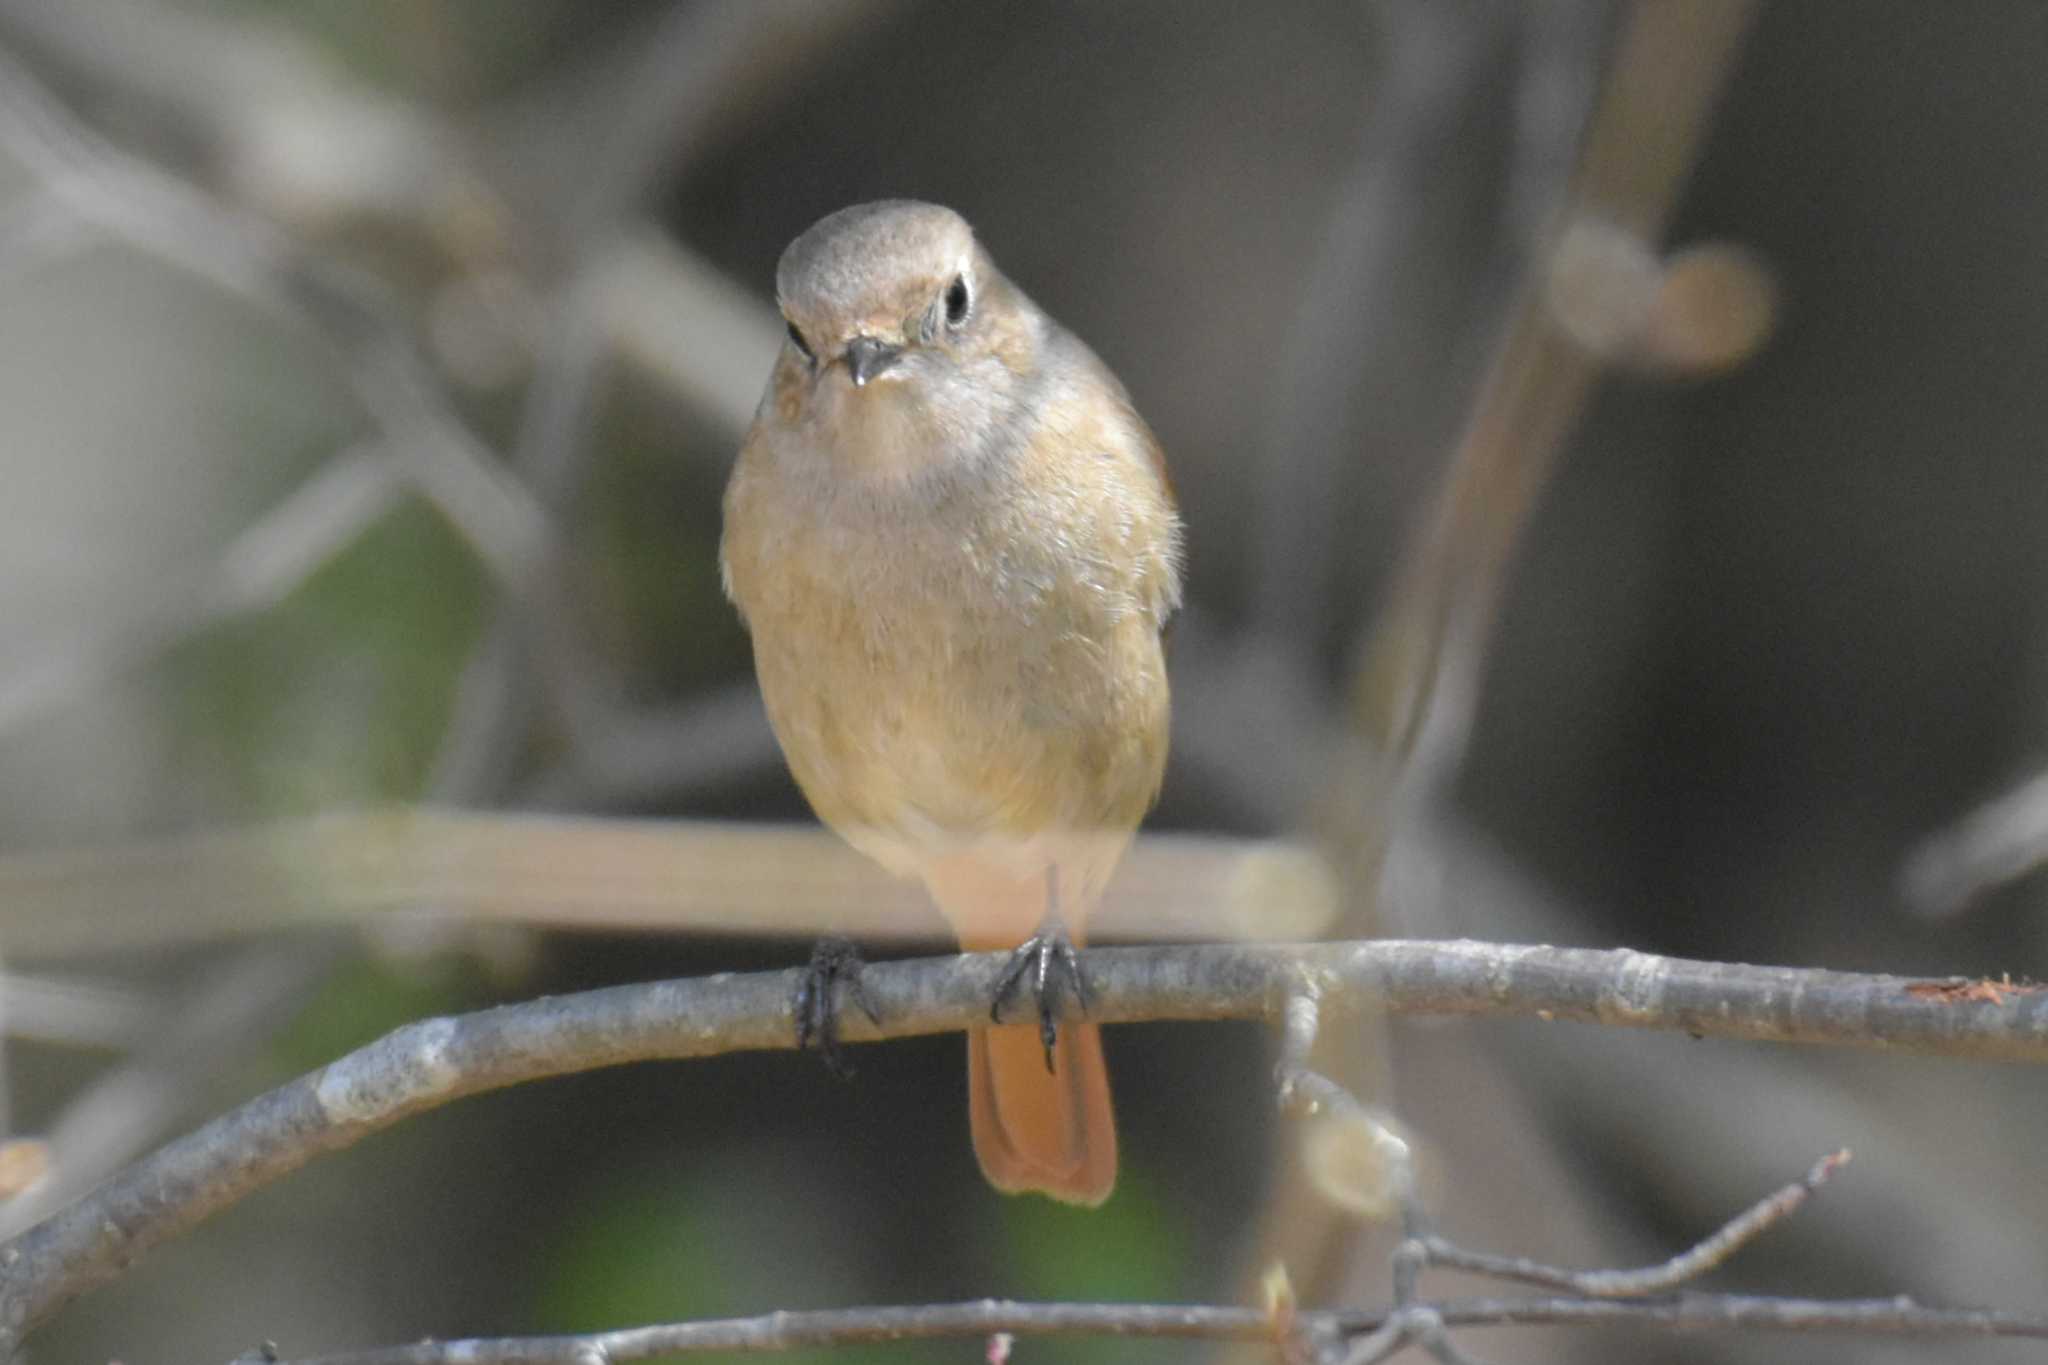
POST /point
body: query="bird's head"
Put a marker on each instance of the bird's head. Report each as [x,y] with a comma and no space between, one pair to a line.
[900,328]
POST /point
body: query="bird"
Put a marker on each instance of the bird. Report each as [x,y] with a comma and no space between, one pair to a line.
[956,549]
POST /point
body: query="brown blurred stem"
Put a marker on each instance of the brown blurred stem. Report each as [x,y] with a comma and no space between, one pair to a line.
[1416,685]
[1415,688]
[427,1064]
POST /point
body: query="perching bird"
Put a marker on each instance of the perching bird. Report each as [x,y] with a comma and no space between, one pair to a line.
[954,543]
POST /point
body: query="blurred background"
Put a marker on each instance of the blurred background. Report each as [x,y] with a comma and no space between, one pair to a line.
[369,374]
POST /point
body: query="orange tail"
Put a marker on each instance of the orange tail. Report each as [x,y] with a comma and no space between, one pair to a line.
[1048,1131]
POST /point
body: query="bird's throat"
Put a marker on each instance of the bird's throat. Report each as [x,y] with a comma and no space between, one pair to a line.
[883,433]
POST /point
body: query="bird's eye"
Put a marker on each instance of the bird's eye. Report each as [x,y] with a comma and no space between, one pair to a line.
[796,338]
[956,300]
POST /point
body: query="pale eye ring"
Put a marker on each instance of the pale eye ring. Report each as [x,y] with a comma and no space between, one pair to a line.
[957,301]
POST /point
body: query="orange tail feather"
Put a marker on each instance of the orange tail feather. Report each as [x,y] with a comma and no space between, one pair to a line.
[1048,1131]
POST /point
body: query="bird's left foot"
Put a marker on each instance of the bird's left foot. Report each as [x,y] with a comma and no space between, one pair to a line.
[1047,959]
[816,1003]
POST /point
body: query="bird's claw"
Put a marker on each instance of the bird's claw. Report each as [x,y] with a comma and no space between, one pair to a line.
[1048,959]
[816,1007]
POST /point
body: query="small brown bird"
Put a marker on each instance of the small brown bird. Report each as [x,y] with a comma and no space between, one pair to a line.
[954,543]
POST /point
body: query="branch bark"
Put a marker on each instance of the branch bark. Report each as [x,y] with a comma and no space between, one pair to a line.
[430,1063]
[846,1326]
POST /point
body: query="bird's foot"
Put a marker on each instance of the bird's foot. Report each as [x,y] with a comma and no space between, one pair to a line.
[1047,959]
[816,1004]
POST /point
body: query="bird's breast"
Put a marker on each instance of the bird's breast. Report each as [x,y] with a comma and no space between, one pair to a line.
[960,664]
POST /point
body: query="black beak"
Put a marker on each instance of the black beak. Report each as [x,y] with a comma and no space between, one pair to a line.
[867,357]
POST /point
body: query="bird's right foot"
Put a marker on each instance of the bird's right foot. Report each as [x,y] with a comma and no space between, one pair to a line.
[815,1004]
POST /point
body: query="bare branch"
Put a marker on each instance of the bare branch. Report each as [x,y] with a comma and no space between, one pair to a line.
[793,1330]
[1895,1316]
[430,1063]
[848,1326]
[1690,1264]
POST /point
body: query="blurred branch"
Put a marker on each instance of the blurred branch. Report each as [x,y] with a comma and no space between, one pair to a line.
[91,184]
[690,63]
[229,1012]
[2000,841]
[289,129]
[1426,80]
[430,1063]
[1253,712]
[668,89]
[282,107]
[290,132]
[1417,686]
[261,566]
[672,78]
[111,192]
[688,327]
[69,1012]
[657,100]
[591,873]
[633,756]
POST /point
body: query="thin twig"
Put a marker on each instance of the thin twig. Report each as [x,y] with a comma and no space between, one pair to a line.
[1703,1256]
[430,1063]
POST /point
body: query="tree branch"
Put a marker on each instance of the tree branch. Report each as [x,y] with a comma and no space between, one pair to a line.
[1663,1278]
[429,1063]
[847,1326]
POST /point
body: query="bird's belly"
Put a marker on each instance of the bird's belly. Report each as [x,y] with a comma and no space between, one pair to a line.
[917,738]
